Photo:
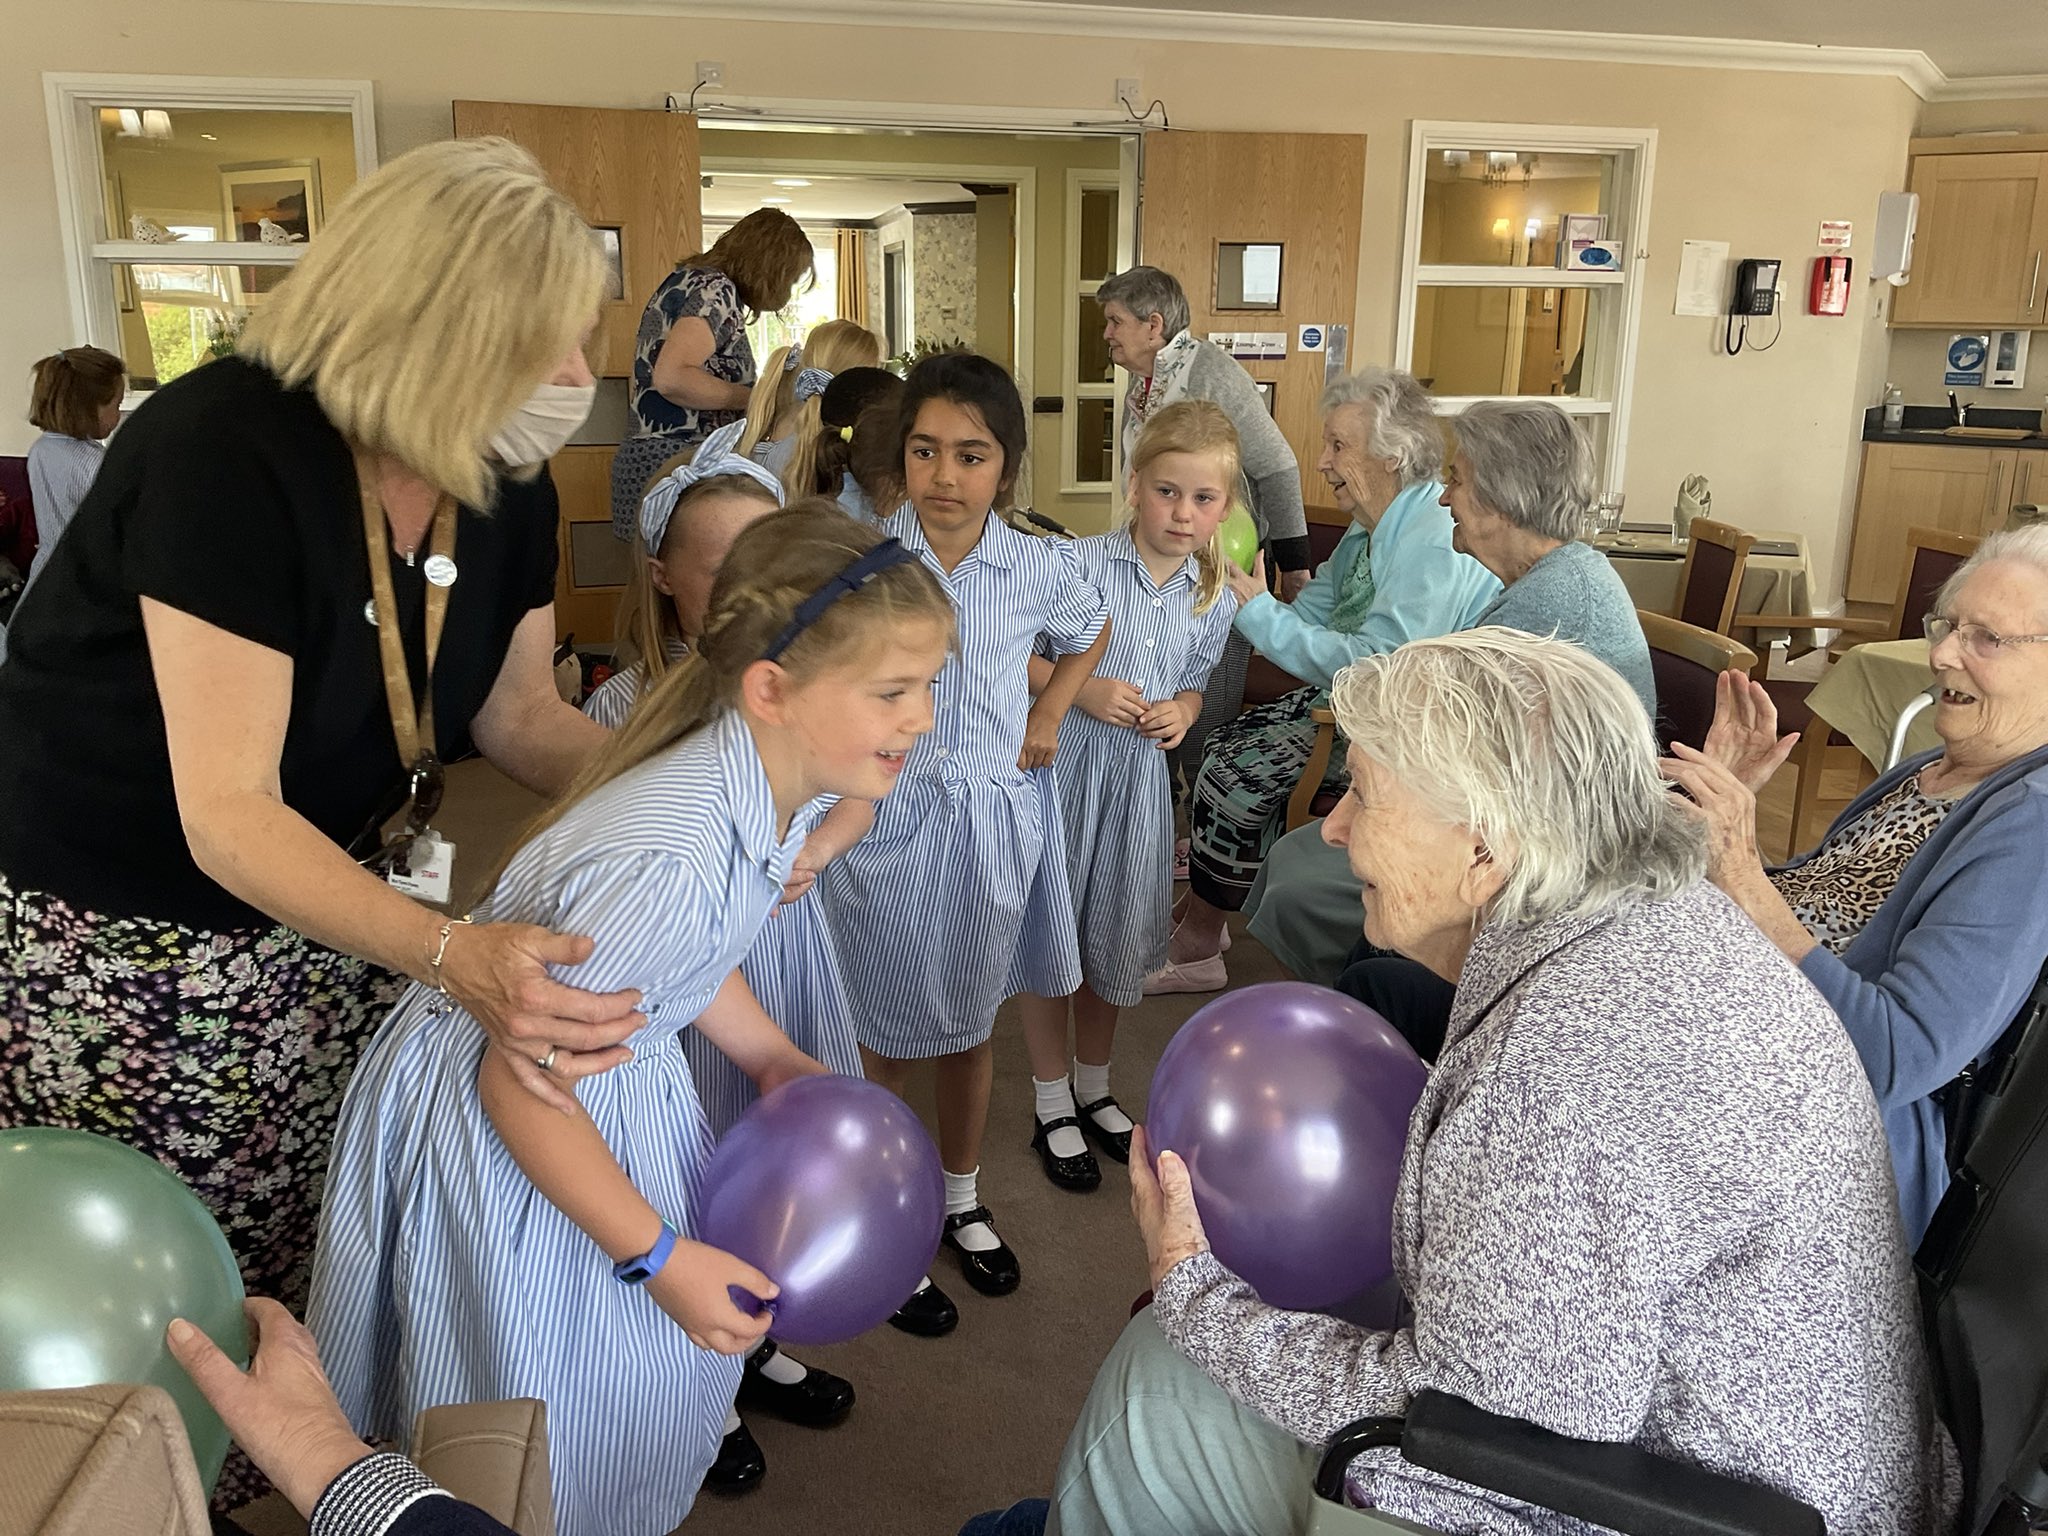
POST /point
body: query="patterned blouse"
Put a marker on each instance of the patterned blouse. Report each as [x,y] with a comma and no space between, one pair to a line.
[1835,893]
[710,296]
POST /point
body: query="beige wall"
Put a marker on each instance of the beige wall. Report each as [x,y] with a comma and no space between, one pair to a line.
[1752,158]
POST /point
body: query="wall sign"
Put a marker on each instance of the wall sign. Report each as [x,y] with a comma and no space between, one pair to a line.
[1835,234]
[1966,358]
[1311,338]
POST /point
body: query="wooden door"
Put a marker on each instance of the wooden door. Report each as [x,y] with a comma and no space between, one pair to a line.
[1302,191]
[1964,490]
[634,177]
[1980,253]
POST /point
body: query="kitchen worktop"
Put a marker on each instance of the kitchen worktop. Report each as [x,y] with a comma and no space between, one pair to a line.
[1930,423]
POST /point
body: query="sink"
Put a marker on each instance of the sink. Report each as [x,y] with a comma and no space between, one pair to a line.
[2003,432]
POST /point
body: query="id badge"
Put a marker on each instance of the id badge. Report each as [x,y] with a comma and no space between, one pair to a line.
[426,871]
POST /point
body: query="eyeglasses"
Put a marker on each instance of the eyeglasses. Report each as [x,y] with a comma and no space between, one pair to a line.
[1979,641]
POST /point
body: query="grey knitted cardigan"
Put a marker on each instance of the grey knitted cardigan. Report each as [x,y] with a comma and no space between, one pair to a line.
[1646,1197]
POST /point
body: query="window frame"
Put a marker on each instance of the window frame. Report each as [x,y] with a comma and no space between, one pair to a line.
[91,253]
[1074,292]
[1618,332]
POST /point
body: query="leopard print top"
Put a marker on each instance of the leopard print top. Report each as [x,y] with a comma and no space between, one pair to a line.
[1835,893]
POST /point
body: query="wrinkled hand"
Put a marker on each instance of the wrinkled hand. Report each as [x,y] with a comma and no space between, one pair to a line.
[692,1289]
[281,1411]
[1166,722]
[1728,808]
[1041,739]
[1165,1208]
[1246,584]
[1112,701]
[1744,736]
[1291,583]
[498,973]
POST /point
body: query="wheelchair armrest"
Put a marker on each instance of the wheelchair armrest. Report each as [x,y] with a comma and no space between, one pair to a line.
[1621,1487]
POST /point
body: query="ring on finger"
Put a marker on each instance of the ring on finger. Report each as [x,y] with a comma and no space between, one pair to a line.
[547,1063]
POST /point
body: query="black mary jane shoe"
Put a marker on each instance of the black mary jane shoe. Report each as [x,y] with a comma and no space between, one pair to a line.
[930,1313]
[818,1401]
[1079,1173]
[740,1466]
[1116,1144]
[994,1271]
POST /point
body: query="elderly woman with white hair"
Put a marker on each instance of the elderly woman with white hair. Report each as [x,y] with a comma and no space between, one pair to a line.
[1919,917]
[1519,485]
[1394,577]
[1645,1197]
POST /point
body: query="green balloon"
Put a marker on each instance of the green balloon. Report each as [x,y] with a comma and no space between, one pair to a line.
[100,1247]
[1240,537]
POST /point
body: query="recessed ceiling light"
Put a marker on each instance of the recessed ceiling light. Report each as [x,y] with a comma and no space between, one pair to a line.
[791,181]
[770,202]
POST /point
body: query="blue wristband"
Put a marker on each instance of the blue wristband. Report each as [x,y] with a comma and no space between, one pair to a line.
[648,1265]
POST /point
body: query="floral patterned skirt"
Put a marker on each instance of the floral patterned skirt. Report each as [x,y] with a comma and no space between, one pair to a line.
[223,1054]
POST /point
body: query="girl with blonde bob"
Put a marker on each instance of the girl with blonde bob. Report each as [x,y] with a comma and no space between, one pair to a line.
[782,412]
[812,677]
[1161,574]
[221,669]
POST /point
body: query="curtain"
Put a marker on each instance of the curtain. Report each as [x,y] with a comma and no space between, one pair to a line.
[853,275]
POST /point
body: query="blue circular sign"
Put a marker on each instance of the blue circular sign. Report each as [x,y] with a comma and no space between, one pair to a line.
[1966,354]
[1311,336]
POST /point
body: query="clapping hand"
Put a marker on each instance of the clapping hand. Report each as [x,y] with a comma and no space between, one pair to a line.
[1744,737]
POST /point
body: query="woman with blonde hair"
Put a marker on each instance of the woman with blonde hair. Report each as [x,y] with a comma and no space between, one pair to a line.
[693,367]
[307,576]
[782,412]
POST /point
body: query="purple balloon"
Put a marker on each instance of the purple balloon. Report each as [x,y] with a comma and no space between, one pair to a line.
[830,1187]
[1290,1104]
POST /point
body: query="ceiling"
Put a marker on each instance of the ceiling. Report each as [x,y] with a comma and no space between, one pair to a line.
[828,199]
[1962,37]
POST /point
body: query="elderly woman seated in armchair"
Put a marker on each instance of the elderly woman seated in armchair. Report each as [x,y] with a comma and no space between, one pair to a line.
[1646,1195]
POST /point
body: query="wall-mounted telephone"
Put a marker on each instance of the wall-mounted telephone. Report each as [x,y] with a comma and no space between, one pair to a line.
[1756,287]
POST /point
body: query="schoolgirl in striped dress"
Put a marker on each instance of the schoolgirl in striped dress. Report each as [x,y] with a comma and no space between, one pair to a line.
[1170,612]
[478,1244]
[958,898]
[688,522]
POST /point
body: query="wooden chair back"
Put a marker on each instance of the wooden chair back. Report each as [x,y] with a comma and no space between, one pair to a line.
[1932,556]
[1711,579]
[1685,659]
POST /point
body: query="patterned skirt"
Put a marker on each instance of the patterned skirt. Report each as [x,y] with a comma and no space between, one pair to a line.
[222,1054]
[1238,809]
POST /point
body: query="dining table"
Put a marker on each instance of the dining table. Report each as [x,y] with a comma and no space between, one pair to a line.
[1776,579]
[1863,694]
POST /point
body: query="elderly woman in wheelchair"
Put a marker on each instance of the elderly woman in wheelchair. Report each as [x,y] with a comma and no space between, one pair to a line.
[1646,1197]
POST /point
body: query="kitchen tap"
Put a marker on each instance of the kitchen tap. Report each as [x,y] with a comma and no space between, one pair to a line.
[1959,412]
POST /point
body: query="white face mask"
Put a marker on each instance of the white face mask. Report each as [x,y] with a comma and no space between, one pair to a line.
[541,427]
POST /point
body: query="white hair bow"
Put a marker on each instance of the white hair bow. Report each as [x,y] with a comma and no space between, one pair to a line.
[715,457]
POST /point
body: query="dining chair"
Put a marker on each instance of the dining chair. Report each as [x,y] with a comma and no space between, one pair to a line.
[1685,661]
[1711,579]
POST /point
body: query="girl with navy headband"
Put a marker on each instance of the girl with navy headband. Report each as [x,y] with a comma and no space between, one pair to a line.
[479,1244]
[958,898]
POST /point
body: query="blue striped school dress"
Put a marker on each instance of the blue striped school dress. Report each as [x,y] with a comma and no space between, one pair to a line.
[958,898]
[1116,795]
[791,967]
[443,1275]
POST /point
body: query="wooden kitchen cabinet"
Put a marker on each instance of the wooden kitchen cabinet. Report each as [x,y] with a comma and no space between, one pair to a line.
[1980,248]
[2030,478]
[1928,485]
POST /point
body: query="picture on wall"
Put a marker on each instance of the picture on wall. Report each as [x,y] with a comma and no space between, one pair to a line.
[272,202]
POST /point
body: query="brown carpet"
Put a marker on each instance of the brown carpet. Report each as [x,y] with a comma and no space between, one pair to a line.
[947,1427]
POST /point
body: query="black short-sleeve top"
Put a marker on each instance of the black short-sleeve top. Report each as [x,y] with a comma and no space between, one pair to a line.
[233,499]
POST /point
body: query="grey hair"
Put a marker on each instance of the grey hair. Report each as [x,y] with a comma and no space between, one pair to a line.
[1527,461]
[1405,426]
[2024,545]
[1147,291]
[1543,752]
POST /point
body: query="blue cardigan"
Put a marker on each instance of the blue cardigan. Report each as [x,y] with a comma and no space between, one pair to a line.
[1421,588]
[1936,976]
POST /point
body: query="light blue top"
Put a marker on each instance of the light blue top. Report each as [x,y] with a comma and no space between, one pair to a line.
[1574,594]
[60,472]
[1935,977]
[1421,587]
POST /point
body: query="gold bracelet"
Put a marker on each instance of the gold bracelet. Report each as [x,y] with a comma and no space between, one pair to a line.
[441,951]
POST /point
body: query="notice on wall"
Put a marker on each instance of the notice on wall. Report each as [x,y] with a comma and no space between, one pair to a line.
[1835,234]
[1312,337]
[1966,358]
[1702,278]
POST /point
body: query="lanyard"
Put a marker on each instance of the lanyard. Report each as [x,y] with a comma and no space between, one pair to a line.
[412,723]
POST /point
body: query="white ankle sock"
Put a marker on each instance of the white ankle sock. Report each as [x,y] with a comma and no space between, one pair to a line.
[732,1422]
[782,1370]
[1056,1100]
[1092,1083]
[976,1236]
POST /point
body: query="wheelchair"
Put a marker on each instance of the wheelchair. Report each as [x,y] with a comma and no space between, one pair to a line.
[1983,1276]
